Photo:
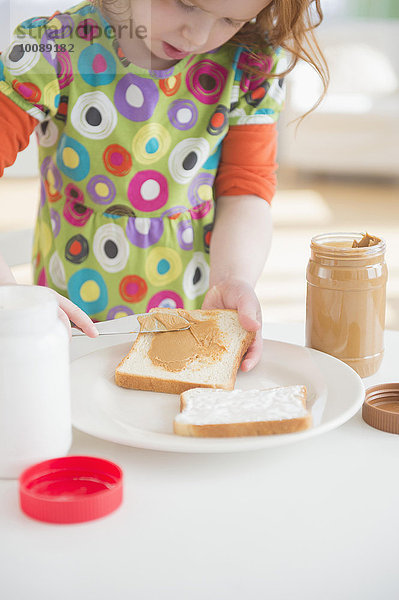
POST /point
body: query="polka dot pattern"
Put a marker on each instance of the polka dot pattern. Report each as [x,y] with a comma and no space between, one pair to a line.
[62,26]
[97,66]
[219,120]
[148,191]
[187,158]
[75,213]
[27,90]
[65,73]
[88,290]
[116,312]
[163,266]
[133,288]
[201,189]
[196,276]
[185,235]
[57,272]
[55,222]
[94,116]
[144,232]
[101,189]
[128,159]
[183,114]
[165,299]
[117,160]
[47,134]
[150,143]
[52,180]
[206,80]
[72,158]
[17,59]
[77,249]
[136,97]
[170,86]
[111,248]
[88,29]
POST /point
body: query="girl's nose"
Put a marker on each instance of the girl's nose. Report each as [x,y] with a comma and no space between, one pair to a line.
[198,31]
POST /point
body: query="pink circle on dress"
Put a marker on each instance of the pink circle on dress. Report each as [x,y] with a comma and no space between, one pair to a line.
[116,159]
[131,289]
[152,179]
[206,80]
[200,210]
[99,64]
[165,299]
[75,213]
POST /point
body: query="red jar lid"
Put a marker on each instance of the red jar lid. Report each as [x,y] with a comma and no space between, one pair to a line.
[72,489]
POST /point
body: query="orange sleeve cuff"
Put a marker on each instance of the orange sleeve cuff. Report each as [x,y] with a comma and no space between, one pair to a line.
[16,127]
[248,162]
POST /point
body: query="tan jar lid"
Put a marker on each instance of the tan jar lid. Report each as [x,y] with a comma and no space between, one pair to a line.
[381,407]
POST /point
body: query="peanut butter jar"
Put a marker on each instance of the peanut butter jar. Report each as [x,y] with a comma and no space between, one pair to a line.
[346,298]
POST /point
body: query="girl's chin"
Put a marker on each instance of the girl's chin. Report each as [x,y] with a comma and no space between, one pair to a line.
[161,60]
[161,64]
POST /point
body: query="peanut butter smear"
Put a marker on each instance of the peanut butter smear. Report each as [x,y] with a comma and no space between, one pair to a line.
[162,322]
[366,241]
[173,350]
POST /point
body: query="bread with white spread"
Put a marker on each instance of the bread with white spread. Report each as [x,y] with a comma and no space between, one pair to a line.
[220,413]
[208,354]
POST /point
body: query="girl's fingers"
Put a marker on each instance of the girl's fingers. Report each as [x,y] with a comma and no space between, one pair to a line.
[253,354]
[77,316]
[236,296]
[213,299]
[65,320]
[249,312]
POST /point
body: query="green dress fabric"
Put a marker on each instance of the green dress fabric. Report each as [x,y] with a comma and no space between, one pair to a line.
[128,159]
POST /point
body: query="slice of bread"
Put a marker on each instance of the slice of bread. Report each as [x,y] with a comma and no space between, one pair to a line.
[219,413]
[137,370]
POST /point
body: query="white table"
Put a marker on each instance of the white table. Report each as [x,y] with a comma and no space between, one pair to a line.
[315,520]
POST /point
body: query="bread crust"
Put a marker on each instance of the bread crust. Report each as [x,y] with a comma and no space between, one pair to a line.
[175,386]
[250,428]
[165,386]
[244,429]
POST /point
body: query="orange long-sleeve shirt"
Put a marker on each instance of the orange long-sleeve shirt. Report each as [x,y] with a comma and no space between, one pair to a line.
[16,126]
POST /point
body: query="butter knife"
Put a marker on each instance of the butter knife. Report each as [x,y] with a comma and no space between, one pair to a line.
[126,325]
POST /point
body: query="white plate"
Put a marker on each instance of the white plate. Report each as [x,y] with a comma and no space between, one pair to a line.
[145,419]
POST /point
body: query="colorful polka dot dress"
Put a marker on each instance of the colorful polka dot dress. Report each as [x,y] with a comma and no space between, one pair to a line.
[128,159]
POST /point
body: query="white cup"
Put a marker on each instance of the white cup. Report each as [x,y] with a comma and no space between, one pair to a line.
[35,413]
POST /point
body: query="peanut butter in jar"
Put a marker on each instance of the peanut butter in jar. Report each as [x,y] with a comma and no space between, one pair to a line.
[346,298]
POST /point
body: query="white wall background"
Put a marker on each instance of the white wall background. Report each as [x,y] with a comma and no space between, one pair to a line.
[14,11]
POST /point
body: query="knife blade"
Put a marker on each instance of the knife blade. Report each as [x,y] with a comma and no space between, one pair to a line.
[124,325]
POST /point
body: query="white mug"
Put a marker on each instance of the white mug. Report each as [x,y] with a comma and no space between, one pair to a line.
[35,414]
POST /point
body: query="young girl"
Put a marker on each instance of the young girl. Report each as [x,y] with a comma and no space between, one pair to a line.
[156,124]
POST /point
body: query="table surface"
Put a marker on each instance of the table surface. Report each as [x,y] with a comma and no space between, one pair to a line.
[314,520]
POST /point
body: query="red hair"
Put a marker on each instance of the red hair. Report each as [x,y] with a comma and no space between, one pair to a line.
[288,24]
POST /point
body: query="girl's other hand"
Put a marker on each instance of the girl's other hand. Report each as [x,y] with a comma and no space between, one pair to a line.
[238,294]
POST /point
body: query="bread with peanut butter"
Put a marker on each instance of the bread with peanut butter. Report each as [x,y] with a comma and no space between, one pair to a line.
[220,413]
[207,354]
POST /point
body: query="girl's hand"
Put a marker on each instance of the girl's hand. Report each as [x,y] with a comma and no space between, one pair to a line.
[239,295]
[68,311]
